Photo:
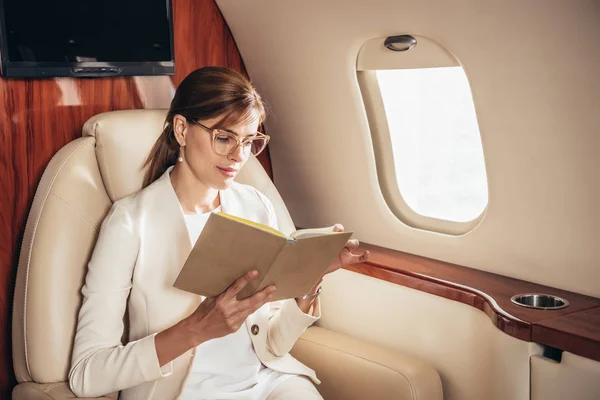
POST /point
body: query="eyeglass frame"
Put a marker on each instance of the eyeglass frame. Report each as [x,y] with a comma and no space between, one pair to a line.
[240,142]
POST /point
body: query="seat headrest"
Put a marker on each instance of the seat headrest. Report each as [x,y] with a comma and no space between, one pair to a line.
[123,141]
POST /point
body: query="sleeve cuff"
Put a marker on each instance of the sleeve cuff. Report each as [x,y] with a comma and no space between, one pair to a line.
[153,366]
[294,313]
[287,325]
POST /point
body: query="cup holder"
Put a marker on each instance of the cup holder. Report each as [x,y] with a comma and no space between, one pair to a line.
[540,301]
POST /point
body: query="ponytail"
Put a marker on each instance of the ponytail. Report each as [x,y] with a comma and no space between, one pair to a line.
[164,153]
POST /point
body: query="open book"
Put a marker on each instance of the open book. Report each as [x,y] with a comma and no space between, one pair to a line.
[229,246]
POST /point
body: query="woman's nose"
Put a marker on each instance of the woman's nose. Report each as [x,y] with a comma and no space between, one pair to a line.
[238,154]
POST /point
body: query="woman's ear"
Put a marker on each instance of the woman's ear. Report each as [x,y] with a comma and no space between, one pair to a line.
[180,129]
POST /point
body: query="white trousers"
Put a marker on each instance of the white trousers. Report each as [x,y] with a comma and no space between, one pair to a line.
[296,388]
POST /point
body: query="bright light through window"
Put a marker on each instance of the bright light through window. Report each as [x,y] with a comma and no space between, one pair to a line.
[435,141]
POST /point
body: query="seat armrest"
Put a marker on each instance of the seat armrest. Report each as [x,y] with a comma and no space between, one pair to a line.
[353,369]
[49,391]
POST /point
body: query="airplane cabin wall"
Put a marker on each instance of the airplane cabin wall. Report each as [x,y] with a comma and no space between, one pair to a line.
[533,70]
[474,358]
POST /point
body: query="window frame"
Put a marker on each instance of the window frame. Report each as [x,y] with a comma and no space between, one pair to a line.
[382,143]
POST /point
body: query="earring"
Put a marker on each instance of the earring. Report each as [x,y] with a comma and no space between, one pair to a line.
[180,159]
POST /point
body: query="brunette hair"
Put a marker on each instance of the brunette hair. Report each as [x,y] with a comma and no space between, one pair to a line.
[205,93]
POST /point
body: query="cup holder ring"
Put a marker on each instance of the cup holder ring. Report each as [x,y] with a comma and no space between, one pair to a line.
[540,301]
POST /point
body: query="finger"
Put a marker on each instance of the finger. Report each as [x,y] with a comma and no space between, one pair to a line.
[365,256]
[356,258]
[239,284]
[338,228]
[241,315]
[258,305]
[351,245]
[253,306]
[362,256]
[258,298]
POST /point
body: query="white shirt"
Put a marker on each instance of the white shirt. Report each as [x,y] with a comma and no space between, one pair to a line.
[227,367]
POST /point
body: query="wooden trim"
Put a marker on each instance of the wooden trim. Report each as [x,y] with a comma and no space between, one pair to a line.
[491,293]
[577,333]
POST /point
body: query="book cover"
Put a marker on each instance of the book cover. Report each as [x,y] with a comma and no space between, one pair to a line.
[229,246]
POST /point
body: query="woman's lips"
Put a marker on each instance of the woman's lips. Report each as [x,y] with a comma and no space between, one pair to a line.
[229,172]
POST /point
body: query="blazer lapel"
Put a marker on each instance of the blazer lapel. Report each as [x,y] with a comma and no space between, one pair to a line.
[169,219]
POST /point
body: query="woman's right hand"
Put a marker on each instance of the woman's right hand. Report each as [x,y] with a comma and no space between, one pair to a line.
[215,317]
[224,314]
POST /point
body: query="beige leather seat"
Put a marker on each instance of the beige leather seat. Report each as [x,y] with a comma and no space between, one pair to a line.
[76,191]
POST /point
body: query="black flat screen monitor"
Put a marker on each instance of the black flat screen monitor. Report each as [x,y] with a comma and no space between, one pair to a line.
[86,38]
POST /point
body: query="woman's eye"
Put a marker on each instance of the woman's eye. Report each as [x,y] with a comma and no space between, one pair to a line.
[223,139]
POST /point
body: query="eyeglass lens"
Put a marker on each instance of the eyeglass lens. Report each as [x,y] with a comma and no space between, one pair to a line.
[225,144]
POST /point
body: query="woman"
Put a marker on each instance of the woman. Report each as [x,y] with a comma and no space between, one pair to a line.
[181,345]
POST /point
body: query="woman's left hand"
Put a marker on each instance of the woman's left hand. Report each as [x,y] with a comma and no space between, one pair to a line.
[346,256]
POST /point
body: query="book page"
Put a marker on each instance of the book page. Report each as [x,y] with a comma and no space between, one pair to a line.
[252,223]
[301,233]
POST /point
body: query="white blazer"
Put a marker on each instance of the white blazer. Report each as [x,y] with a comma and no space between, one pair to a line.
[142,246]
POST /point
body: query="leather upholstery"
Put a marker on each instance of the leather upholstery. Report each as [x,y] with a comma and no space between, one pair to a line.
[75,193]
[351,368]
[59,236]
[49,391]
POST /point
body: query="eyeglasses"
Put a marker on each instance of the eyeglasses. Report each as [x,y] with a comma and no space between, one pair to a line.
[224,143]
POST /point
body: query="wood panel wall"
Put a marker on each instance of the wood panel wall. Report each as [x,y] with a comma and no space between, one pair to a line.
[38,117]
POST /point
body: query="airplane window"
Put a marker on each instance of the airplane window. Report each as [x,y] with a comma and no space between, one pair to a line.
[435,140]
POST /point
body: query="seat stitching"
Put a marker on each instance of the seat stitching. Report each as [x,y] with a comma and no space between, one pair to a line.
[81,213]
[102,149]
[52,386]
